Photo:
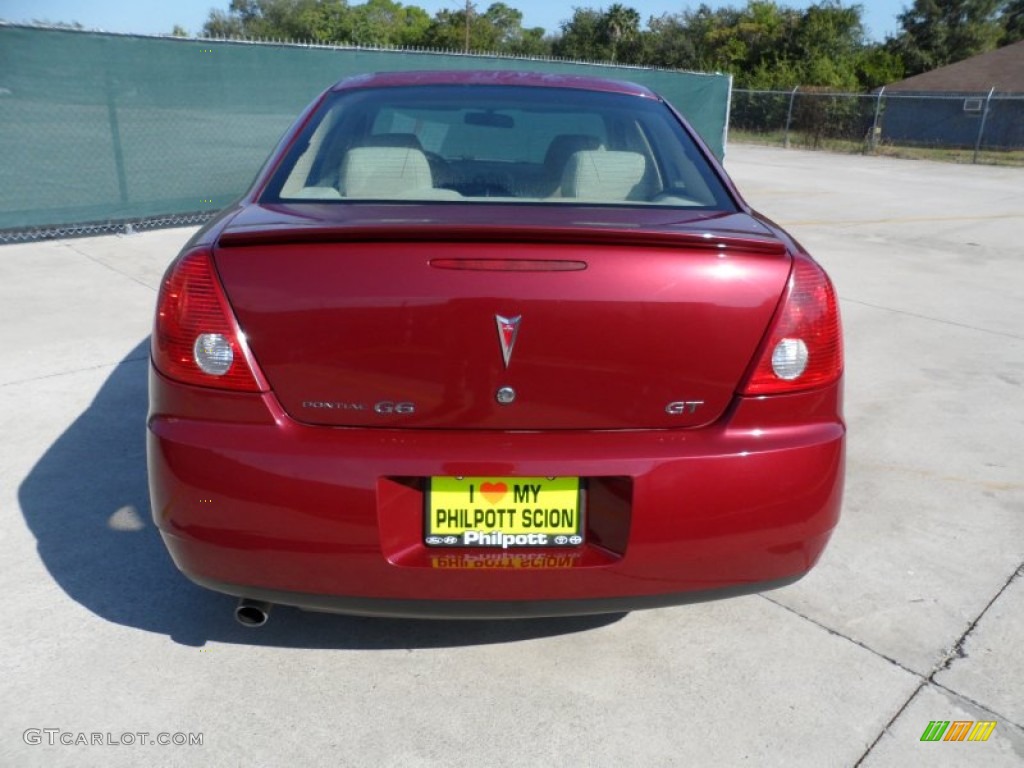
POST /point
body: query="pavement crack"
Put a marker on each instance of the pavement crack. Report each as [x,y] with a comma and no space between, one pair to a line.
[933,319]
[135,359]
[957,650]
[70,246]
[999,717]
[849,639]
[996,715]
[889,724]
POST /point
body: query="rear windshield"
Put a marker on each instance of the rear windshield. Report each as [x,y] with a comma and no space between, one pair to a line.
[508,144]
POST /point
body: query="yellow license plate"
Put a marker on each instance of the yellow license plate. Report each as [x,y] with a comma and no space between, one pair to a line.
[504,512]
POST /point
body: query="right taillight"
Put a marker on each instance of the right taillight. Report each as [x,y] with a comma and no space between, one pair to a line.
[804,348]
[196,339]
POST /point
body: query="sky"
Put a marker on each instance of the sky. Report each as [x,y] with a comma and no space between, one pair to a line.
[153,17]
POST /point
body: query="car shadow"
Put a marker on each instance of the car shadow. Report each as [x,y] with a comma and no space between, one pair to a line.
[87,503]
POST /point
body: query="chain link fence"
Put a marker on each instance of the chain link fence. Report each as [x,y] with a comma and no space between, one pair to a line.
[969,127]
[99,132]
[114,133]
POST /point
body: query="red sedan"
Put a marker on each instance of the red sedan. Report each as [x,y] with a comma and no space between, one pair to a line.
[493,345]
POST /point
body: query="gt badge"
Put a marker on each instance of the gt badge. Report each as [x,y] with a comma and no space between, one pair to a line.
[508,329]
[679,407]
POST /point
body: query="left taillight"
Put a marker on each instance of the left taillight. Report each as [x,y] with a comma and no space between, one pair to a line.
[804,348]
[196,339]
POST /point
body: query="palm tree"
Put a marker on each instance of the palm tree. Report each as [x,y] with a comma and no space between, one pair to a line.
[620,23]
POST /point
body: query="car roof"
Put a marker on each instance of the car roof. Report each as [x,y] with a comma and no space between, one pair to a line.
[492,77]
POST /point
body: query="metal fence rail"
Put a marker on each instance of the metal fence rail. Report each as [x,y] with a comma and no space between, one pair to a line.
[817,118]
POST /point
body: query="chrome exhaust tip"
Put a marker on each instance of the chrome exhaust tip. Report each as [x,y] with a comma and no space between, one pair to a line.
[252,613]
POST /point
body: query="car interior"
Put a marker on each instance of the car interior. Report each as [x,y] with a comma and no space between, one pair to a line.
[500,152]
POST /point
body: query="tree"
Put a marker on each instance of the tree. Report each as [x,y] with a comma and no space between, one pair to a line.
[827,41]
[620,24]
[506,30]
[669,43]
[940,32]
[1012,19]
[506,23]
[447,31]
[225,25]
[612,35]
[581,36]
[385,22]
[755,43]
[462,30]
[332,21]
[499,29]
[877,65]
[763,44]
[376,22]
[264,19]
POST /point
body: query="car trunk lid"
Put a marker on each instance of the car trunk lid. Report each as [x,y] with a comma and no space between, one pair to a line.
[435,322]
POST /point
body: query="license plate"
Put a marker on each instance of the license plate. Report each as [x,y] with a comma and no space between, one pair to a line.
[503,512]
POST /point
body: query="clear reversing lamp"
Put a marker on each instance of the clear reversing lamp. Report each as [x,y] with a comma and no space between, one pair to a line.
[789,359]
[213,354]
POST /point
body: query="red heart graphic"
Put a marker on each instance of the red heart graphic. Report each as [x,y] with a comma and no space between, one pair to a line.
[493,492]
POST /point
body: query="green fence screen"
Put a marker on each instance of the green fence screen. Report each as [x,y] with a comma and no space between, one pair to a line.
[99,127]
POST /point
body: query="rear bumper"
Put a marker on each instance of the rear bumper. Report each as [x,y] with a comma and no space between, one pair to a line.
[256,505]
[483,609]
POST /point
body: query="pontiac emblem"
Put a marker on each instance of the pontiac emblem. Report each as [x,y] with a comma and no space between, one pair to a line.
[508,329]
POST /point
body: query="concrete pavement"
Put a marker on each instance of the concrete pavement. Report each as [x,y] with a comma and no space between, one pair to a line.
[916,612]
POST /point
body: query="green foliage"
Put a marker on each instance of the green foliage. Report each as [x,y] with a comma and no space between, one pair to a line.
[768,46]
[447,31]
[221,24]
[602,35]
[498,29]
[581,37]
[1012,19]
[323,22]
[376,22]
[387,23]
[620,27]
[763,44]
[876,66]
[940,32]
[379,23]
[533,43]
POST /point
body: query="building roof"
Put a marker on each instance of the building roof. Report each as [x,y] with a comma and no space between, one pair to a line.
[1002,69]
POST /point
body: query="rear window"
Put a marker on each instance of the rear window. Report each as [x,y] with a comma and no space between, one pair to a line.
[507,144]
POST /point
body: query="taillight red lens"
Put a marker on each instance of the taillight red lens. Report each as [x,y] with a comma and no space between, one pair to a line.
[196,339]
[804,349]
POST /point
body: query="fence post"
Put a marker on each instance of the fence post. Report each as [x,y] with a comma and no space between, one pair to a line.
[981,128]
[874,126]
[789,116]
[728,119]
[115,137]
